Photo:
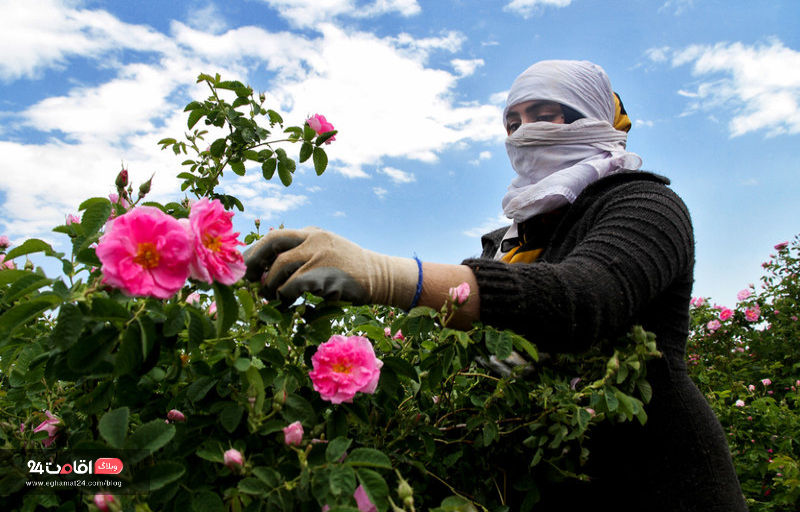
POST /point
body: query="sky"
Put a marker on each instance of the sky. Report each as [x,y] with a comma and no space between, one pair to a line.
[415,89]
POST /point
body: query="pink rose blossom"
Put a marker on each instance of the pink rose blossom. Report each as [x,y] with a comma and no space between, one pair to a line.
[713,325]
[319,124]
[145,253]
[739,403]
[742,295]
[460,293]
[6,264]
[293,434]
[5,243]
[752,314]
[51,425]
[397,336]
[766,382]
[102,501]
[73,219]
[725,314]
[176,415]
[212,309]
[697,301]
[781,246]
[233,458]
[193,299]
[343,366]
[216,257]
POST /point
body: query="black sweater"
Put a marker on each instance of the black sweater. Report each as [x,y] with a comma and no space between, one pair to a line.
[622,254]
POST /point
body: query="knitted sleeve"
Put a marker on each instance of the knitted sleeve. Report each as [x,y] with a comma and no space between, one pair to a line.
[631,243]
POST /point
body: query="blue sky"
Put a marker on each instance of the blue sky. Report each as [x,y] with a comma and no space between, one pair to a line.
[415,89]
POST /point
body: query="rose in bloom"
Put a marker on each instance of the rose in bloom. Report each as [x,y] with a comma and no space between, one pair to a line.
[460,293]
[319,124]
[713,325]
[193,298]
[145,253]
[216,257]
[766,382]
[343,366]
[725,314]
[51,425]
[233,458]
[751,387]
[752,314]
[176,415]
[739,403]
[5,243]
[293,434]
[697,301]
[397,336]
[743,294]
[73,219]
[781,246]
[102,501]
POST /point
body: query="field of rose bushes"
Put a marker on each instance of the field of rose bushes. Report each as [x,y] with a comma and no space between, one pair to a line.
[150,354]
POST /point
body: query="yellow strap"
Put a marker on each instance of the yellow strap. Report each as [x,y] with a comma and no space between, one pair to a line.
[621,120]
[523,257]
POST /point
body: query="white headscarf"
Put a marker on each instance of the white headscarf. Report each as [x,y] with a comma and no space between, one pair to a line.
[555,162]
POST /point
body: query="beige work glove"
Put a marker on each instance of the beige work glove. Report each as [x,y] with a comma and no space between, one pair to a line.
[289,262]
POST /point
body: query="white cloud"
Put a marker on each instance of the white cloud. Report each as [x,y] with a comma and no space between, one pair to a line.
[398,176]
[307,13]
[758,85]
[349,76]
[380,192]
[527,8]
[491,224]
[643,123]
[466,67]
[677,6]
[482,156]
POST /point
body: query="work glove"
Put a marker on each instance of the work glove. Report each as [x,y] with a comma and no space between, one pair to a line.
[290,262]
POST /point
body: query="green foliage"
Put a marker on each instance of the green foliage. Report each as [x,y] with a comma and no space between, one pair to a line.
[746,360]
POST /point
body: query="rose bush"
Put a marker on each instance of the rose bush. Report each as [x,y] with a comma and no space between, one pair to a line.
[151,349]
[746,360]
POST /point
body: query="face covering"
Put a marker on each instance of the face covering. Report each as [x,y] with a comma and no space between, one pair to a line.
[555,162]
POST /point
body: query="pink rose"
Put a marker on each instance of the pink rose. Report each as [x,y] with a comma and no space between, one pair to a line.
[51,425]
[739,403]
[293,434]
[102,501]
[362,501]
[766,382]
[193,299]
[697,301]
[233,458]
[752,314]
[460,293]
[73,219]
[743,294]
[781,246]
[725,314]
[216,257]
[5,243]
[6,264]
[176,415]
[145,253]
[343,366]
[319,124]
[713,325]
[212,309]
[397,336]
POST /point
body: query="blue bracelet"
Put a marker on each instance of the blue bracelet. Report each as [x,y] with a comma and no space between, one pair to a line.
[419,285]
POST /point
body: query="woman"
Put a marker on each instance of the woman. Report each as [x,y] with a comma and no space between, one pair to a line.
[595,247]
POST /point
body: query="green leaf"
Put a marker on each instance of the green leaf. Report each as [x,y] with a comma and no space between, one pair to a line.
[90,350]
[230,417]
[499,343]
[238,168]
[150,437]
[95,217]
[490,433]
[268,168]
[207,501]
[218,147]
[299,409]
[227,308]
[25,285]
[200,388]
[337,448]
[113,426]
[129,355]
[320,161]
[68,326]
[23,312]
[252,486]
[158,475]
[305,151]
[284,174]
[29,246]
[368,457]
[342,480]
[195,116]
[323,138]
